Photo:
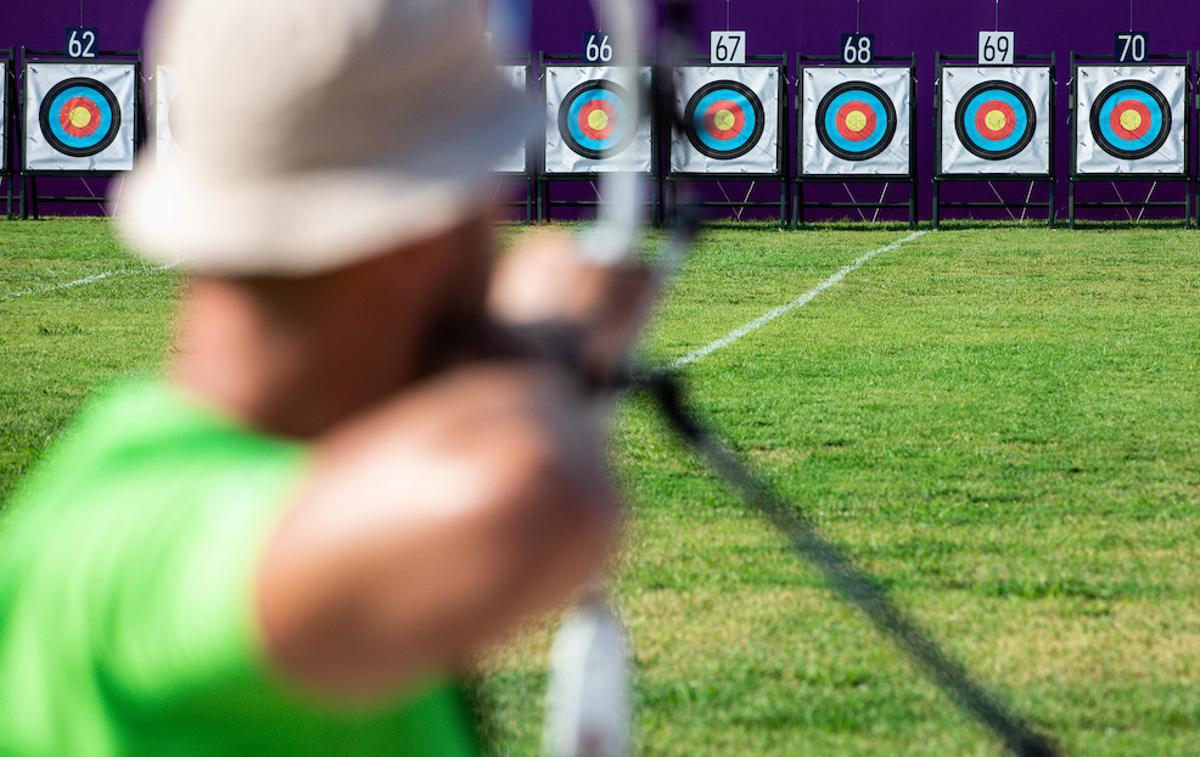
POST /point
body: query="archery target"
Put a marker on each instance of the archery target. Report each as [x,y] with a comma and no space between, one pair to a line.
[995,121]
[514,162]
[730,117]
[590,128]
[79,117]
[856,121]
[1130,120]
[164,100]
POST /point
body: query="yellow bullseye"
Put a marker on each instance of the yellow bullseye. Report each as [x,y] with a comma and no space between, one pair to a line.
[856,120]
[597,120]
[995,120]
[724,120]
[80,117]
[1131,120]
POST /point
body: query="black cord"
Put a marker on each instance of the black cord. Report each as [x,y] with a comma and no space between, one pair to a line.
[844,576]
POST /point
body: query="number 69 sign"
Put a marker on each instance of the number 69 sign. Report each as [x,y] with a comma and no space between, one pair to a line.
[996,48]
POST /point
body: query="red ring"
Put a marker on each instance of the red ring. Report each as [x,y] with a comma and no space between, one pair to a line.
[64,117]
[846,131]
[710,123]
[1114,119]
[1010,120]
[590,108]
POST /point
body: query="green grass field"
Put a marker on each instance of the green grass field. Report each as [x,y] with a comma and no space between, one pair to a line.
[1003,423]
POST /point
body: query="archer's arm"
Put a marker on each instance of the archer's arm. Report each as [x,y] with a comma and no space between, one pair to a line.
[433,525]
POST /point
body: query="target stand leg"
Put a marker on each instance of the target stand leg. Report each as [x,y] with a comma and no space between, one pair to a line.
[936,212]
[1071,203]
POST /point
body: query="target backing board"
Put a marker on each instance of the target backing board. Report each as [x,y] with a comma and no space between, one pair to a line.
[856,121]
[731,120]
[80,116]
[588,127]
[514,162]
[1131,120]
[164,98]
[995,120]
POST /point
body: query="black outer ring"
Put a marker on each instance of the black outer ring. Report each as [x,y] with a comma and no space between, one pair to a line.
[689,116]
[890,129]
[564,110]
[105,141]
[960,123]
[1113,150]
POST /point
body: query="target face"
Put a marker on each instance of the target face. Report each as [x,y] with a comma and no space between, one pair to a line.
[594,119]
[724,120]
[80,117]
[1131,120]
[995,120]
[856,121]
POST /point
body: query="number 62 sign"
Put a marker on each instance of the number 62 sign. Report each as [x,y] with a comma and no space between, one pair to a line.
[82,41]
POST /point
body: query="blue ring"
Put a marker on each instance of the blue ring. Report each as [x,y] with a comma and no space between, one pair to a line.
[1109,105]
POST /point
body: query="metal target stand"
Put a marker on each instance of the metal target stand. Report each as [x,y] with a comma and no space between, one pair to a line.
[1195,84]
[800,204]
[545,202]
[943,62]
[8,174]
[30,208]
[1186,177]
[674,179]
[529,176]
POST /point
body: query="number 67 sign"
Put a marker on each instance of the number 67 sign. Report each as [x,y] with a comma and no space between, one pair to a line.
[727,47]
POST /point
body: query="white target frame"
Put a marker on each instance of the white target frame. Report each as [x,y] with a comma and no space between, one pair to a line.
[561,160]
[765,159]
[165,143]
[1034,160]
[118,76]
[5,78]
[1169,160]
[516,161]
[896,161]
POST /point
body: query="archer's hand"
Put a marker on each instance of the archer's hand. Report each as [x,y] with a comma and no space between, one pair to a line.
[543,286]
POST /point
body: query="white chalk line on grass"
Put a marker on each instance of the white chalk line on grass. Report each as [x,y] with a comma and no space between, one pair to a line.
[799,302]
[33,291]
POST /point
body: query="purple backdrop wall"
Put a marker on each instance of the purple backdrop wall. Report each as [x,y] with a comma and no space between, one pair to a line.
[775,26]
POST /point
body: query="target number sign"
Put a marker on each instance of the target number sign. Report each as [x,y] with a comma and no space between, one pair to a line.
[858,49]
[597,48]
[82,41]
[1132,47]
[727,47]
[997,48]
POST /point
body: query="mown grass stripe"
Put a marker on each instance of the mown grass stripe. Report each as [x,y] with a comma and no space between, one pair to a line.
[799,302]
[50,288]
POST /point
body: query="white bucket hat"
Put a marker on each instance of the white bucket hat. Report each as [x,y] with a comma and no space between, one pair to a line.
[316,133]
